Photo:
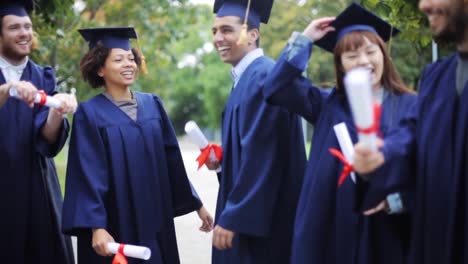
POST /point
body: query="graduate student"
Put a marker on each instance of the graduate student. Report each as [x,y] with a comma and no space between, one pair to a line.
[434,137]
[126,180]
[264,153]
[330,226]
[30,135]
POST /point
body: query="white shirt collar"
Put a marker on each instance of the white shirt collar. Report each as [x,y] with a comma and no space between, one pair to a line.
[12,72]
[239,69]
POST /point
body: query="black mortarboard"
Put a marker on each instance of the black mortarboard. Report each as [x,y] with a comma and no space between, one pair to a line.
[16,7]
[111,37]
[354,18]
[257,10]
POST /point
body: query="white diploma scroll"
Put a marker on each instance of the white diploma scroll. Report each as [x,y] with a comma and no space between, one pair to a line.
[346,145]
[359,91]
[197,136]
[49,101]
[132,251]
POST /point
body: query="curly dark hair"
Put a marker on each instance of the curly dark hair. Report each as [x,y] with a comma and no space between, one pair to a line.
[95,59]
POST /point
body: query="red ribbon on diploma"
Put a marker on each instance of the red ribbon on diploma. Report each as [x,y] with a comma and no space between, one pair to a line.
[205,154]
[120,258]
[375,127]
[348,167]
[43,97]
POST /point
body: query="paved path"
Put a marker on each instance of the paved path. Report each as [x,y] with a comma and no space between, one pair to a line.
[194,246]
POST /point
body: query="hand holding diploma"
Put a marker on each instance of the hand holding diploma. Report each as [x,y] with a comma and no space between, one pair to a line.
[61,102]
[365,113]
[40,97]
[122,251]
[209,151]
[22,90]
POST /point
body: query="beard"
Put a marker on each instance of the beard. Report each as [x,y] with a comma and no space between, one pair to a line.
[457,27]
[12,54]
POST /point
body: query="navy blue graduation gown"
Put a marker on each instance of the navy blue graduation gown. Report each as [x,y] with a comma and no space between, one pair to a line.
[263,166]
[329,228]
[30,195]
[435,135]
[126,176]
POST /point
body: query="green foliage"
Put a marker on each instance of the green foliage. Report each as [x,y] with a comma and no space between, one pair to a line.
[189,76]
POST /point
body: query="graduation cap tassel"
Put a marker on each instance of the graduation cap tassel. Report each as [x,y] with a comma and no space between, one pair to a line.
[390,42]
[243,36]
[35,41]
[144,68]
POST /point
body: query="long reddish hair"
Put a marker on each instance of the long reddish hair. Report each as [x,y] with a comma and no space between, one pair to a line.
[391,79]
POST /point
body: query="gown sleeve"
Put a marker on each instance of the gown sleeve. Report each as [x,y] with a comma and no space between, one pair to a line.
[397,174]
[184,197]
[42,146]
[263,132]
[286,86]
[87,177]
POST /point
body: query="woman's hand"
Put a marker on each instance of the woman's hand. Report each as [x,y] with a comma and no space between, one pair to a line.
[319,28]
[382,206]
[207,220]
[100,239]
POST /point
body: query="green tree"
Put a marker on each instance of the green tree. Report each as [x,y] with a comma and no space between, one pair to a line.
[183,70]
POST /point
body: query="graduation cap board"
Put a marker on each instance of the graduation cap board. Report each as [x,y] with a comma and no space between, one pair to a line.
[257,11]
[252,11]
[111,37]
[356,18]
[16,7]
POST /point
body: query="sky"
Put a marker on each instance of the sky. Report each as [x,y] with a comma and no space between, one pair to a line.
[208,2]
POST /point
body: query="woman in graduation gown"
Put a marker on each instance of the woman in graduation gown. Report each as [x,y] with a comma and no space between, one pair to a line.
[126,180]
[330,225]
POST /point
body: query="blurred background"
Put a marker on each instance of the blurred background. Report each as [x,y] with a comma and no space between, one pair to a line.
[184,68]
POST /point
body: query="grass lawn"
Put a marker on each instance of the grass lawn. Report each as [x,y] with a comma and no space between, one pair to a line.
[61,164]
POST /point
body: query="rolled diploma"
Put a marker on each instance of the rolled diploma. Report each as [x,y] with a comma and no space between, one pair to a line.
[131,251]
[346,144]
[359,91]
[50,101]
[197,136]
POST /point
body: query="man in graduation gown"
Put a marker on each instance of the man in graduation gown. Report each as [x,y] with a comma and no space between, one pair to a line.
[434,137]
[30,135]
[264,154]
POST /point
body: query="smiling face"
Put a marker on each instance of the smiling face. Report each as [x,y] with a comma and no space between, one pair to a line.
[119,70]
[226,31]
[16,38]
[367,55]
[448,19]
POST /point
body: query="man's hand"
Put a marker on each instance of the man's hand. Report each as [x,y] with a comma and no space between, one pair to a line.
[26,91]
[51,129]
[68,104]
[366,160]
[100,239]
[222,238]
[207,220]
